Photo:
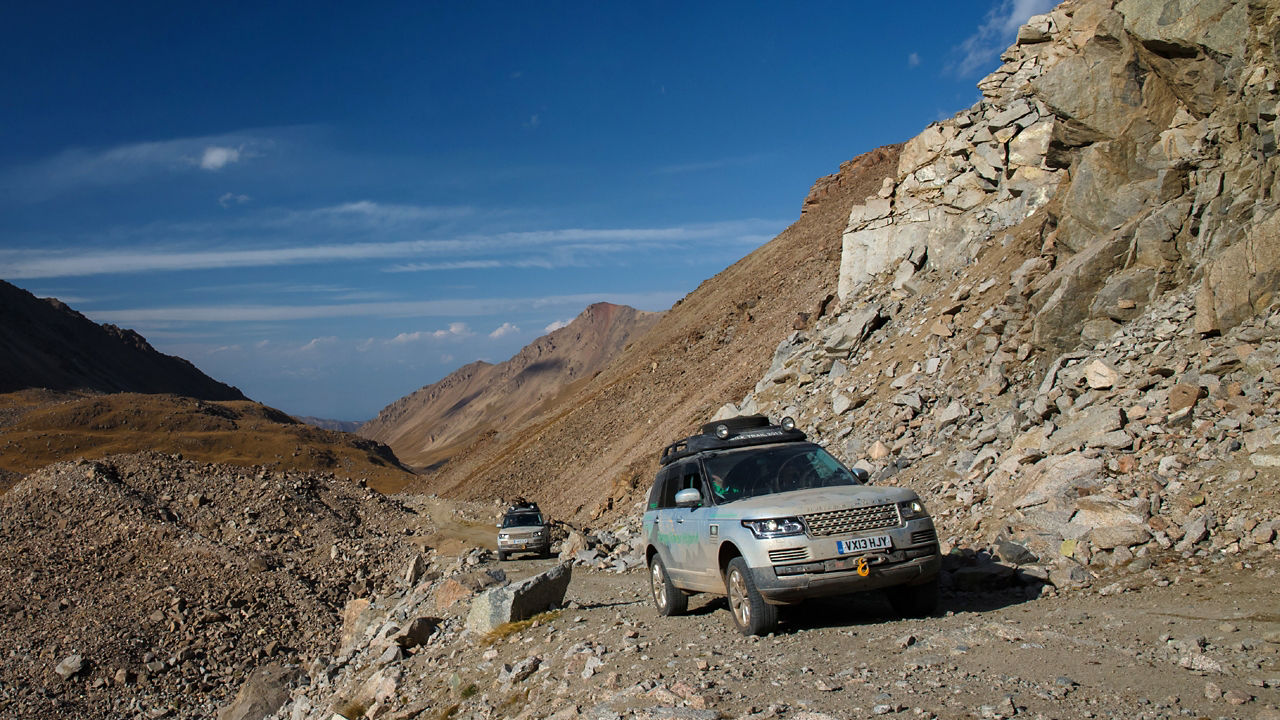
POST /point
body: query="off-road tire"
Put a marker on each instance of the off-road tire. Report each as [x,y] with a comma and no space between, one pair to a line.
[914,601]
[751,614]
[667,598]
[502,556]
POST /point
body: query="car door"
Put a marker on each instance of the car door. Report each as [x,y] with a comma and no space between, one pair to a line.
[696,551]
[662,522]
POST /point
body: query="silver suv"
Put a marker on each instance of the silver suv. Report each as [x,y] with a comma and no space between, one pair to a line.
[524,529]
[753,511]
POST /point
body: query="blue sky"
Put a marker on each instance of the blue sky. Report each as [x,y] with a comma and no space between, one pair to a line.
[330,206]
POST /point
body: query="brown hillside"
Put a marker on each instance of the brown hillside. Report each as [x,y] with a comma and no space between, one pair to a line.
[38,428]
[45,344]
[429,425]
[602,441]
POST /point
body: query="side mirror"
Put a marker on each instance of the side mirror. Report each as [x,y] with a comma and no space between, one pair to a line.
[862,476]
[689,498]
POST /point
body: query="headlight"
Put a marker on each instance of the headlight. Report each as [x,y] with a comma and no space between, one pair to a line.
[912,509]
[775,527]
[504,536]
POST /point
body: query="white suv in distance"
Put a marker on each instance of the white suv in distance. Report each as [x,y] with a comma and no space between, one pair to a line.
[753,511]
[524,529]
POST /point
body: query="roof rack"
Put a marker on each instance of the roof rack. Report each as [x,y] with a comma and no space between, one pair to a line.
[735,432]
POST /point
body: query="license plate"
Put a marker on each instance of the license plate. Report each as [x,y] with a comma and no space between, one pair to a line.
[863,544]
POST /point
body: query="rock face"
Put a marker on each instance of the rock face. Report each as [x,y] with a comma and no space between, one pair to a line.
[1059,316]
[519,601]
[1147,134]
[49,345]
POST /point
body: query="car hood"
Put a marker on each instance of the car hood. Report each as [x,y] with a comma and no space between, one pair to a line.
[817,500]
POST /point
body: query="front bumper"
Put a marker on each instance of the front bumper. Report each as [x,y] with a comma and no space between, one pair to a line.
[787,584]
[524,545]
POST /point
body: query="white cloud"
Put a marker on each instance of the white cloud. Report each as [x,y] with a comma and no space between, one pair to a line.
[694,167]
[141,317]
[229,199]
[913,60]
[980,50]
[216,158]
[503,330]
[389,213]
[565,247]
[556,326]
[124,164]
[455,330]
[317,343]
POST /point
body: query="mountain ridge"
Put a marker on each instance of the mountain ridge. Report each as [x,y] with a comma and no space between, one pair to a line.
[426,426]
[49,345]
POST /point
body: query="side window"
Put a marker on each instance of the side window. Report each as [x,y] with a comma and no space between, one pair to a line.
[665,487]
[676,478]
[655,492]
[691,477]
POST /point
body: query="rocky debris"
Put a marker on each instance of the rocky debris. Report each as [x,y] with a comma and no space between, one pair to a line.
[134,599]
[262,694]
[519,601]
[993,653]
[618,549]
[1033,329]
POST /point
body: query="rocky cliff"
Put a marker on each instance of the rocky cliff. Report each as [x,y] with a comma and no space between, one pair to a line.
[48,345]
[1057,318]
[428,426]
[1146,132]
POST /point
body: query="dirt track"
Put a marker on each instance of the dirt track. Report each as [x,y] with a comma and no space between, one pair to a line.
[1192,648]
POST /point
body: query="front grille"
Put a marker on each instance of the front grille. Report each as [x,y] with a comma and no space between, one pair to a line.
[921,537]
[840,522]
[788,555]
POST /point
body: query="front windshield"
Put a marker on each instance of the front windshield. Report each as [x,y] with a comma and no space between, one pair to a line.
[748,473]
[522,520]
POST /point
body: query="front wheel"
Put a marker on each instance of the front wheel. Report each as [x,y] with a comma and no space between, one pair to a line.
[915,601]
[751,614]
[669,599]
[502,556]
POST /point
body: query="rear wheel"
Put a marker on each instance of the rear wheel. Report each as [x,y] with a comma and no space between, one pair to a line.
[751,614]
[914,600]
[669,599]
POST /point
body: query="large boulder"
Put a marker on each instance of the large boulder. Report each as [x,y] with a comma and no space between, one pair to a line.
[519,601]
[262,694]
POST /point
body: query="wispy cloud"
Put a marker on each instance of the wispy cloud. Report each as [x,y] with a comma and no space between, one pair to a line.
[455,330]
[556,326]
[980,50]
[123,164]
[913,60]
[702,166]
[503,330]
[139,317]
[229,199]
[319,342]
[387,213]
[558,248]
[216,158]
